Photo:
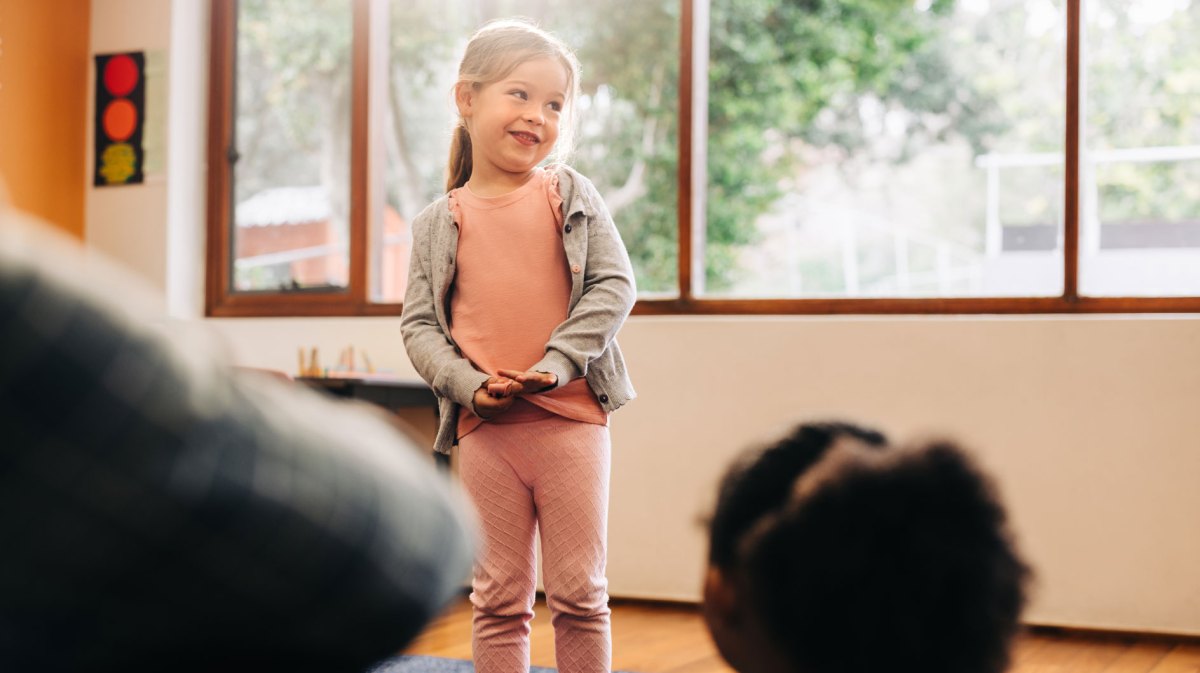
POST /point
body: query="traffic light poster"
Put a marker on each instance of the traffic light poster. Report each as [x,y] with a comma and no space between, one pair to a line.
[120,116]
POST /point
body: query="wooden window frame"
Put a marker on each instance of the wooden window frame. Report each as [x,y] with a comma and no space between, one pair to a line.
[220,300]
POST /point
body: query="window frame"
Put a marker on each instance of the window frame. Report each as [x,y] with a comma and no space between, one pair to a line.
[221,301]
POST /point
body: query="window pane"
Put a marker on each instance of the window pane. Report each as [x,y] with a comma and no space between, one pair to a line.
[627,119]
[1140,166]
[424,42]
[899,149]
[292,129]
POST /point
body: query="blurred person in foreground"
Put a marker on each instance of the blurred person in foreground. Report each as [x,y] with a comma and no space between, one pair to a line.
[160,512]
[833,552]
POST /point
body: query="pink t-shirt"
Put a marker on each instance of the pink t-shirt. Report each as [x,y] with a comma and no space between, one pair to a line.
[511,289]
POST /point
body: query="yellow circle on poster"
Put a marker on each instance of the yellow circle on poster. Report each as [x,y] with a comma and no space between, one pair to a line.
[118,163]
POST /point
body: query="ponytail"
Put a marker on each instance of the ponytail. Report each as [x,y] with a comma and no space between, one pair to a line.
[459,169]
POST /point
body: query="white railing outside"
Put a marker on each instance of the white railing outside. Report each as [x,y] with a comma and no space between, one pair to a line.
[1089,219]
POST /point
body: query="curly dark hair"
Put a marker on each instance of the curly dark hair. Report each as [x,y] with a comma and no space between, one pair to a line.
[760,481]
[892,559]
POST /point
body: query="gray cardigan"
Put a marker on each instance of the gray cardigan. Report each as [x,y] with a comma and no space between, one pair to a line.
[602,294]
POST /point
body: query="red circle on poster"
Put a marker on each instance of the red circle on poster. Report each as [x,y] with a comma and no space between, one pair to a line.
[120,119]
[120,75]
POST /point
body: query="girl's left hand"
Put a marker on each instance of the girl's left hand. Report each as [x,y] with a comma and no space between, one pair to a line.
[531,382]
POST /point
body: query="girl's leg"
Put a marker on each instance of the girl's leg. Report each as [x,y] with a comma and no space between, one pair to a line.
[505,572]
[571,492]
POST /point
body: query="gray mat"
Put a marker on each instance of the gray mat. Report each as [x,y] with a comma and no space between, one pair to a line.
[421,664]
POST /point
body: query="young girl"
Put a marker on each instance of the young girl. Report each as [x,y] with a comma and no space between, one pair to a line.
[517,287]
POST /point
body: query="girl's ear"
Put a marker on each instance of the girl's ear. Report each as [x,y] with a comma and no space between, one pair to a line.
[464,98]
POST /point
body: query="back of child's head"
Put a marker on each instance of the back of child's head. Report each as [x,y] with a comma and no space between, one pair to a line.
[492,53]
[857,557]
[761,481]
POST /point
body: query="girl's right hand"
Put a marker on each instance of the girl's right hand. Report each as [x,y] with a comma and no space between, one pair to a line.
[489,405]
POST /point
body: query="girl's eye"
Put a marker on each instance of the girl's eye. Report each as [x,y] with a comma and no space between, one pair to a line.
[556,106]
[519,94]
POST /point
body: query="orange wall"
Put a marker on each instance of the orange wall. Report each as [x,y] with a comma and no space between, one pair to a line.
[44,71]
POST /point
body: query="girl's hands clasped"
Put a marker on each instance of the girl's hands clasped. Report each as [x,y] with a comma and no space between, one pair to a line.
[496,394]
[530,381]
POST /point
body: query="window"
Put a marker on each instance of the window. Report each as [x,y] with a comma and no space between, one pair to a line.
[893,150]
[760,156]
[291,192]
[1139,173]
[627,115]
[331,122]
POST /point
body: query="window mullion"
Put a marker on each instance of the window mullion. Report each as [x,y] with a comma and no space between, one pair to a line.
[220,138]
[1071,157]
[686,174]
[359,114]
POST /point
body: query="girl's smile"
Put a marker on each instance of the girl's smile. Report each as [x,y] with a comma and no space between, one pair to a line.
[525,138]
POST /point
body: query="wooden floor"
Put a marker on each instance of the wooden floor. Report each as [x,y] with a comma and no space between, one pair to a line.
[654,638]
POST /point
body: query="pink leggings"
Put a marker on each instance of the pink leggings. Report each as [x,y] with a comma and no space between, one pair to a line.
[551,472]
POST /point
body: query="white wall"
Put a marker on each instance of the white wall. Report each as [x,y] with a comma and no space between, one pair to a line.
[156,228]
[128,222]
[187,133]
[1089,424]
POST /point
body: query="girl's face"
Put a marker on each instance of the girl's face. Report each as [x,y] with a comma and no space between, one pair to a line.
[513,122]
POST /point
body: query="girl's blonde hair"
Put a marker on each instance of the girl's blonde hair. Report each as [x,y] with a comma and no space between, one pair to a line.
[494,51]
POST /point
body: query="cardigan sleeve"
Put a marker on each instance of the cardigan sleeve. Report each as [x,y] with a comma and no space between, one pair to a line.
[608,295]
[429,348]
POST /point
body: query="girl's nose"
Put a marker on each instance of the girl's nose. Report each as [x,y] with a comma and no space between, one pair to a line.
[534,115]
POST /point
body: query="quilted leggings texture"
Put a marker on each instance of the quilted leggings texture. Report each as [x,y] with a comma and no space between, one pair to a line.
[550,474]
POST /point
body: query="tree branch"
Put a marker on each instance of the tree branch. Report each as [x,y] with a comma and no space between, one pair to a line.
[634,186]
